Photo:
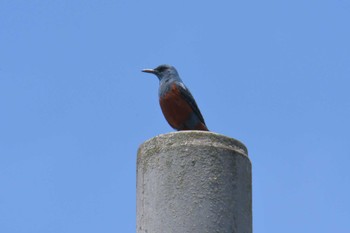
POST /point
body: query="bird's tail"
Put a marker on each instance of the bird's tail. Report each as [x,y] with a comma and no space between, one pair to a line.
[202,127]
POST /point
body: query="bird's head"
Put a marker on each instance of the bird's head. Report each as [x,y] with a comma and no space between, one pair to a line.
[163,72]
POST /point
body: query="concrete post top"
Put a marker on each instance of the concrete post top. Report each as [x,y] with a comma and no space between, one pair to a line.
[194,138]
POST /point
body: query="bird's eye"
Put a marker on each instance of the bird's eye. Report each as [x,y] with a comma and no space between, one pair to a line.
[161,68]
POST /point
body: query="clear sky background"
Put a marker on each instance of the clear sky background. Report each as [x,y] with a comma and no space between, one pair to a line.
[74,106]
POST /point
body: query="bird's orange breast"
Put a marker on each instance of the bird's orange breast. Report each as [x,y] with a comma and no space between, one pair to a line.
[175,108]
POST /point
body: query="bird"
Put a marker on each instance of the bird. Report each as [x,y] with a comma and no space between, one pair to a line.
[176,101]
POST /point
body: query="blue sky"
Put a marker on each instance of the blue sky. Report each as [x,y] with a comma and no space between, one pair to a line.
[75,106]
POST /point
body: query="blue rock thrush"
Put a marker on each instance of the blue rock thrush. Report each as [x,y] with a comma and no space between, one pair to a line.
[176,101]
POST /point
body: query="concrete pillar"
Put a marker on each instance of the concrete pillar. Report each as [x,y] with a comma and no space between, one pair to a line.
[195,182]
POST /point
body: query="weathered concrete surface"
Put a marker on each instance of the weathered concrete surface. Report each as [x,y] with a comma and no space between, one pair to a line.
[193,181]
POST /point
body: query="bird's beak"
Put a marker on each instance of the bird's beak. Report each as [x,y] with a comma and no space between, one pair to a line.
[149,71]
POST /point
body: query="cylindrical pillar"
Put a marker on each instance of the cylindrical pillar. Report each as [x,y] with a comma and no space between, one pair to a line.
[193,182]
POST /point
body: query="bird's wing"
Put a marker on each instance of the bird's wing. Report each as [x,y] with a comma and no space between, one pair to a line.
[189,98]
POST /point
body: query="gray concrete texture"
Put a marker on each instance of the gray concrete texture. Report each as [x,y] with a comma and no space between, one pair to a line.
[193,181]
